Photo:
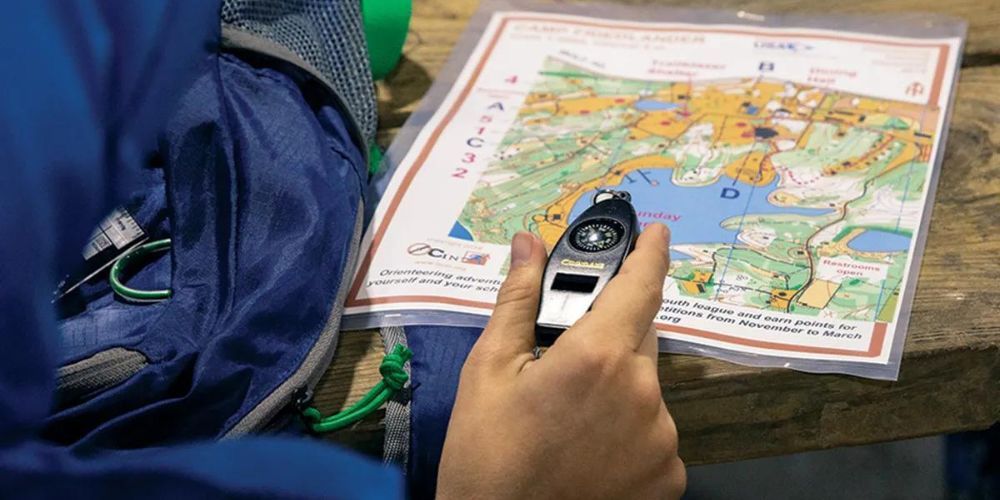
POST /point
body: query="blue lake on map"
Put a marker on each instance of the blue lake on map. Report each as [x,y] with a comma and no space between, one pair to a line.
[873,240]
[699,210]
[654,105]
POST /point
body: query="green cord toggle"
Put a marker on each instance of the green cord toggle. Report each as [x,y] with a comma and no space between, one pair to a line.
[394,377]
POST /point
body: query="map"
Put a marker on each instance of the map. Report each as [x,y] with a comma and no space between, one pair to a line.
[794,165]
[780,196]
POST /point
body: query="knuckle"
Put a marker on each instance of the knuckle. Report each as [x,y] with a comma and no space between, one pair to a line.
[636,275]
[616,355]
[468,376]
[482,354]
[592,359]
[669,457]
[677,475]
[651,289]
[647,392]
[600,360]
[670,438]
[672,447]
[473,361]
[671,425]
[516,291]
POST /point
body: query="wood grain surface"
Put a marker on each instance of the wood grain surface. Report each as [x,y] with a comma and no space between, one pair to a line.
[950,378]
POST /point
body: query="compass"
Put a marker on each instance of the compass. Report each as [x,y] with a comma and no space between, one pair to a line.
[588,255]
[597,235]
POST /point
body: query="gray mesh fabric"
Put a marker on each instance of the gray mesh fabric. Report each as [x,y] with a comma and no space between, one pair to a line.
[326,34]
[396,448]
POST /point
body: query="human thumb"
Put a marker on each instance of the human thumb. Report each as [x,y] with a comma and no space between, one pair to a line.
[511,330]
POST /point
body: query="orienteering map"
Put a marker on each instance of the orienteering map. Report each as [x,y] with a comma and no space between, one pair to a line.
[793,166]
[781,196]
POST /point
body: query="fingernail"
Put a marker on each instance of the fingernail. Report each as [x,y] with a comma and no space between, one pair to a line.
[520,249]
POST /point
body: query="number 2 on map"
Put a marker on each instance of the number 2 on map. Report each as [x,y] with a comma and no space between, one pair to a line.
[460,172]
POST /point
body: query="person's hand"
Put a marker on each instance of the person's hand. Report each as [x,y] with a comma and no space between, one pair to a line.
[587,420]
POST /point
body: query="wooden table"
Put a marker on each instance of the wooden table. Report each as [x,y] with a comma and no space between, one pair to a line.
[950,378]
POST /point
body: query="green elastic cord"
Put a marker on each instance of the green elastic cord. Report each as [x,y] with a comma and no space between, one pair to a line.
[386,23]
[123,262]
[393,379]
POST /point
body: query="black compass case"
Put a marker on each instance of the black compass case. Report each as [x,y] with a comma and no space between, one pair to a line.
[587,256]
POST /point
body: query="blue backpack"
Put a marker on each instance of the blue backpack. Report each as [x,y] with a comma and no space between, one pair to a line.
[242,154]
[258,184]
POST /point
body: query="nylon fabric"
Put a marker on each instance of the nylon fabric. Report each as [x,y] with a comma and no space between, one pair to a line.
[258,187]
[257,468]
[71,148]
[438,355]
[262,198]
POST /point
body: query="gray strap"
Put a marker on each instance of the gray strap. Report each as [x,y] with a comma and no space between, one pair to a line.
[84,379]
[396,448]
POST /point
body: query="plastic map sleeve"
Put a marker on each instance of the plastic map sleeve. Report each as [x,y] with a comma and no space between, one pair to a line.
[793,158]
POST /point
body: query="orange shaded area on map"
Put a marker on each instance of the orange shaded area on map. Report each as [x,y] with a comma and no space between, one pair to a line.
[754,168]
[554,222]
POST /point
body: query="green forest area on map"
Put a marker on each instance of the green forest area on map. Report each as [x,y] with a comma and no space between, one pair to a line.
[779,196]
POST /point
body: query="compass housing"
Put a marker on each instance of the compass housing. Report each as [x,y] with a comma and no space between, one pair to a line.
[589,253]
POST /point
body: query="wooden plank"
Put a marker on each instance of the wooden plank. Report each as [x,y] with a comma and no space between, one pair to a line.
[950,378]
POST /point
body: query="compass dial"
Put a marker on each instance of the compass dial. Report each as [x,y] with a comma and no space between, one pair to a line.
[597,235]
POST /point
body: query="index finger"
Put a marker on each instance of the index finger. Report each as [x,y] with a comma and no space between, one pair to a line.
[627,305]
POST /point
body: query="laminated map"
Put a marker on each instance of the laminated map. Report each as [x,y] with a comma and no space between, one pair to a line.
[794,167]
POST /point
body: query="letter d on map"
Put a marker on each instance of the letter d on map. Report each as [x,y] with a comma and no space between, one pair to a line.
[729,193]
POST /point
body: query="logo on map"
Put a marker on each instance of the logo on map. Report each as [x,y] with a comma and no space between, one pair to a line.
[476,258]
[426,250]
[787,46]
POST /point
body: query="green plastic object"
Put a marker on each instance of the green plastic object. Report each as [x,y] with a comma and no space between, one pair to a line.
[386,24]
[374,159]
[133,294]
[394,377]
